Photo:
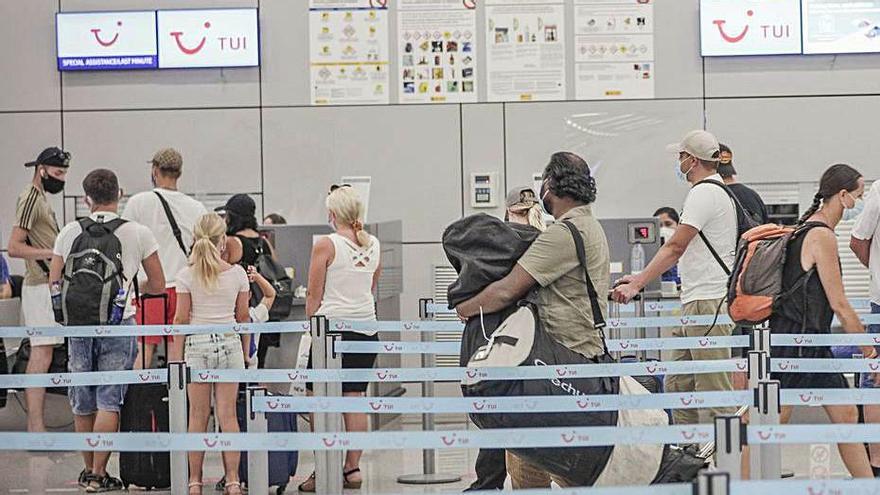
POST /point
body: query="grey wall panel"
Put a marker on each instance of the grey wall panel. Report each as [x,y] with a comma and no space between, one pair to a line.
[418,261]
[809,75]
[221,148]
[677,49]
[411,152]
[22,137]
[27,52]
[193,88]
[624,143]
[285,52]
[483,150]
[796,139]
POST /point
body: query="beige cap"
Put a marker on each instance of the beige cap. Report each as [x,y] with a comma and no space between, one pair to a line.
[168,159]
[700,144]
[523,195]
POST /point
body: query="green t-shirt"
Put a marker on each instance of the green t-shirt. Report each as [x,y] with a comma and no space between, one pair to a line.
[564,305]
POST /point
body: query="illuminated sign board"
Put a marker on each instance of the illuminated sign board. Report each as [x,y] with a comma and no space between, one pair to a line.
[106,40]
[750,27]
[208,38]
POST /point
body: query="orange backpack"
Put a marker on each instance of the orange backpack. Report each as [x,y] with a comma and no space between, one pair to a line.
[756,279]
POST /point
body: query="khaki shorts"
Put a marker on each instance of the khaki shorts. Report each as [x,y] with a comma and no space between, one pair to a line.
[36,311]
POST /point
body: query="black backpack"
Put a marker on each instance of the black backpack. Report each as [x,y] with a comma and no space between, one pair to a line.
[276,275]
[92,274]
[744,222]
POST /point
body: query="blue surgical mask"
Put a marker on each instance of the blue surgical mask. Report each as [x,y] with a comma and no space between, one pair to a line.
[853,213]
[682,176]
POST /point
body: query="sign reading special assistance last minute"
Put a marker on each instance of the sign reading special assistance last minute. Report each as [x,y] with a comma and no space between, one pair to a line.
[106,41]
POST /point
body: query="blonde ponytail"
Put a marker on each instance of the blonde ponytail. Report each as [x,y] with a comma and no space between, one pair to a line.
[208,232]
[536,217]
[348,208]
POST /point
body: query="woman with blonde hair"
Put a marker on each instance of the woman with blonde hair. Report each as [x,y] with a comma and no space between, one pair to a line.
[523,208]
[343,274]
[212,292]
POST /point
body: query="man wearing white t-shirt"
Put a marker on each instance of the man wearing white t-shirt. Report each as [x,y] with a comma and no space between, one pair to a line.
[96,408]
[711,214]
[866,247]
[147,209]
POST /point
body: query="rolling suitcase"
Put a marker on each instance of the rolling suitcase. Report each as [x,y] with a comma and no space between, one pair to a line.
[146,410]
[282,465]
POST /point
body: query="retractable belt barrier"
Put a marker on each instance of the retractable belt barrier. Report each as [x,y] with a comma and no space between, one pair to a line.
[379,375]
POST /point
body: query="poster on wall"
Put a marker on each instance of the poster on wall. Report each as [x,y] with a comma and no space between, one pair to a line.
[106,40]
[750,27]
[614,49]
[525,50]
[841,27]
[208,38]
[437,51]
[348,52]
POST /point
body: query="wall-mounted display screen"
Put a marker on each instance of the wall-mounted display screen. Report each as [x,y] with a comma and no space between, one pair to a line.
[106,40]
[750,27]
[841,26]
[208,38]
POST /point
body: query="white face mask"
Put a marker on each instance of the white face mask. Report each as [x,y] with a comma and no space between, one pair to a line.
[682,176]
[666,233]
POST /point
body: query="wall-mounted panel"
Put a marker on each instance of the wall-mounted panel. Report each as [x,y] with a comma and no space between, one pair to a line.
[411,152]
[805,75]
[482,133]
[195,88]
[27,51]
[678,65]
[796,139]
[220,148]
[624,143]
[284,25]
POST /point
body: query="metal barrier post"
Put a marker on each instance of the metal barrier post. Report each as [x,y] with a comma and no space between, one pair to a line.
[760,339]
[178,378]
[712,483]
[328,463]
[729,440]
[759,370]
[258,461]
[768,408]
[428,476]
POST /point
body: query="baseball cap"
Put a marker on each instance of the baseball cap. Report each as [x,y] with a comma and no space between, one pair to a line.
[241,205]
[168,159]
[524,195]
[53,157]
[700,144]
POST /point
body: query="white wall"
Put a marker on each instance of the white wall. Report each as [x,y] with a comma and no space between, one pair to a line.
[251,130]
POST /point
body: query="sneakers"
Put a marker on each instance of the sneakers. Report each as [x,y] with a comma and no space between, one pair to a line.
[85,477]
[105,484]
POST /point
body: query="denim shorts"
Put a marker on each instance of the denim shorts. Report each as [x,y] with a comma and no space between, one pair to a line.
[86,354]
[214,351]
[868,378]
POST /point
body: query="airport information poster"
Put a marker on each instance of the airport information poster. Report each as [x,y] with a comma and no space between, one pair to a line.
[614,49]
[841,27]
[437,50]
[525,50]
[348,52]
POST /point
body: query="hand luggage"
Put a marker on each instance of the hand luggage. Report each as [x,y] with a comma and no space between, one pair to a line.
[146,410]
[282,465]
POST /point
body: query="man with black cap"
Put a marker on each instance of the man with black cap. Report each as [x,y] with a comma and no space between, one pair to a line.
[32,239]
[748,198]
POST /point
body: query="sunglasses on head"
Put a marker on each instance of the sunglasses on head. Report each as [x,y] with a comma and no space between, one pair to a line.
[338,186]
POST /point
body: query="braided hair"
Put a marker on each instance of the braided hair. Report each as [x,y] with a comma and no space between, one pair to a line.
[837,178]
[569,177]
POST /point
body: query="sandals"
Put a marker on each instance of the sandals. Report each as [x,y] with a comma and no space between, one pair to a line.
[309,485]
[197,485]
[232,488]
[351,485]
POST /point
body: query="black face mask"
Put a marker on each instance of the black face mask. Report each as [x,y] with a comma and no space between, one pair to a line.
[726,170]
[52,185]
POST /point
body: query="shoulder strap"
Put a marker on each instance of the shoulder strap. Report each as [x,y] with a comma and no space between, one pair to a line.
[598,319]
[41,263]
[739,211]
[175,229]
